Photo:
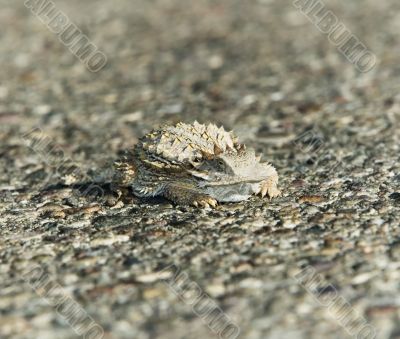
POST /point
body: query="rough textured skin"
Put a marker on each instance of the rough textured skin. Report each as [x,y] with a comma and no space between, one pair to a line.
[196,164]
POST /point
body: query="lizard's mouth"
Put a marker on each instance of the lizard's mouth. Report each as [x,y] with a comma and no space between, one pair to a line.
[208,180]
[234,181]
[220,179]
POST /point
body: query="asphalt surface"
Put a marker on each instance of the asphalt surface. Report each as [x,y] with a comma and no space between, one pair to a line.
[323,256]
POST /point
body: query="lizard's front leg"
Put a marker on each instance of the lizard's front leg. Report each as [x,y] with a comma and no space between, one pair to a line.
[187,194]
[270,187]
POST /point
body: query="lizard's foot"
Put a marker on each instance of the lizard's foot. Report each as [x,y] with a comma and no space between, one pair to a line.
[269,187]
[120,196]
[186,194]
[204,201]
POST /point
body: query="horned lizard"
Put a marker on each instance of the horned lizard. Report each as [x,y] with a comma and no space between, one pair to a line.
[196,164]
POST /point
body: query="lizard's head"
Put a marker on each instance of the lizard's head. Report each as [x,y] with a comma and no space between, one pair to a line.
[227,168]
[231,176]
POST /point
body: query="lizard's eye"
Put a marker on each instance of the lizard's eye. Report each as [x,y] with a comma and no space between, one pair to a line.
[196,162]
[221,163]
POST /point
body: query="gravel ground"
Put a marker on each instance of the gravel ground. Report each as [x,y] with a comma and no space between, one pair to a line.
[258,67]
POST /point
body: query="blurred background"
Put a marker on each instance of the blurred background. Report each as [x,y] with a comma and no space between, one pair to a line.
[260,68]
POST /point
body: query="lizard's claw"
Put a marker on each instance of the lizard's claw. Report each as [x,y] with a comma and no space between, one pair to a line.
[205,201]
[269,188]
